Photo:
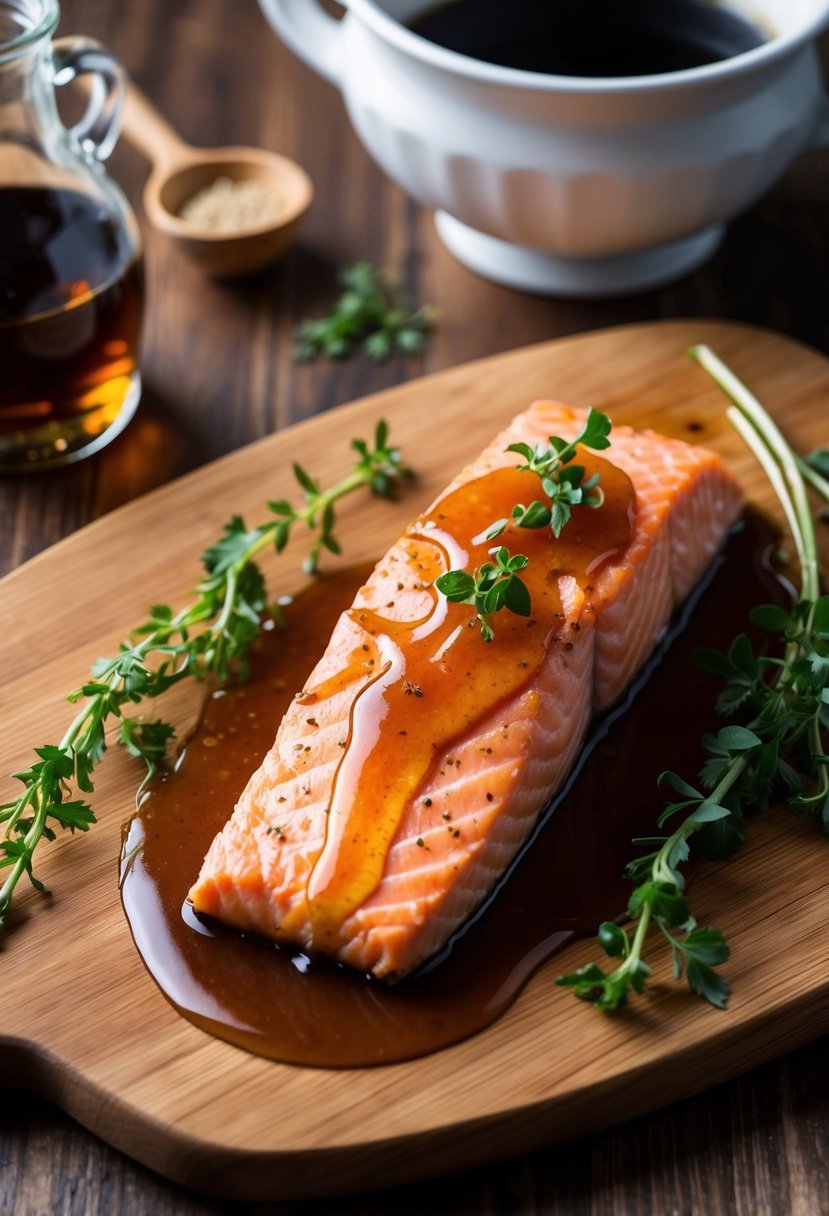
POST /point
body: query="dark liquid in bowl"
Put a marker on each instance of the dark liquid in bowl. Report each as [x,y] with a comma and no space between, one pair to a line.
[590,37]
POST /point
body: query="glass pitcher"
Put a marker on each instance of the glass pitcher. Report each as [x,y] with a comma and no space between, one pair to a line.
[70,275]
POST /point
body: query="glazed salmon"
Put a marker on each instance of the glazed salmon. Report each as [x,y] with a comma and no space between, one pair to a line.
[414,763]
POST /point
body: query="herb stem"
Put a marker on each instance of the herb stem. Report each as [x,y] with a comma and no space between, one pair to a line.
[784,698]
[207,640]
[792,493]
[813,477]
[772,471]
[634,959]
[662,870]
[372,314]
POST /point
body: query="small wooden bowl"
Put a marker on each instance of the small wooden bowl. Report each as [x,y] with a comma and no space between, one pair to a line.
[180,171]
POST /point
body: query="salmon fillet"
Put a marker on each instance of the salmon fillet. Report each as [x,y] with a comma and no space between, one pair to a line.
[387,807]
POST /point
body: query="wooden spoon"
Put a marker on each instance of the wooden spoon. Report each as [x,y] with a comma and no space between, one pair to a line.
[180,171]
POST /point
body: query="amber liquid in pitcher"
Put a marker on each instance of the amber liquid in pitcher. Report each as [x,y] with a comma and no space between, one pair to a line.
[70,318]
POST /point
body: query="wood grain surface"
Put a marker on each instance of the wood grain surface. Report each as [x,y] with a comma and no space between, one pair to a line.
[211,1116]
[218,372]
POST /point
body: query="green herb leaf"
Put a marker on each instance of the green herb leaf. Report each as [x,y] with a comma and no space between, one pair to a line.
[562,481]
[613,940]
[565,486]
[372,314]
[819,461]
[209,639]
[770,617]
[458,586]
[596,431]
[493,586]
[779,747]
[737,738]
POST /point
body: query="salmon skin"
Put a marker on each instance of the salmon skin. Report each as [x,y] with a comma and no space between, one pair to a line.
[415,762]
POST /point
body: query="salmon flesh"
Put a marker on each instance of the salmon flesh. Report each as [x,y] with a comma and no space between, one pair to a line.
[415,762]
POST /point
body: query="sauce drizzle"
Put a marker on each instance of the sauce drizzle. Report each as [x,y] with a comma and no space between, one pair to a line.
[436,678]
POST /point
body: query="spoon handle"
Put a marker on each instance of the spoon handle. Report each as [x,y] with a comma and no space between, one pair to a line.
[145,127]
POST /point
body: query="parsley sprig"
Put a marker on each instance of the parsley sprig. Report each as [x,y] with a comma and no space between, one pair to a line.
[493,586]
[209,639]
[778,749]
[372,313]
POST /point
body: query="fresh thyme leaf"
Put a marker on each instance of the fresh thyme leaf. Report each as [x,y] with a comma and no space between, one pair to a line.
[565,486]
[209,639]
[705,982]
[147,741]
[563,482]
[536,515]
[516,597]
[492,587]
[769,617]
[307,482]
[596,431]
[371,314]
[678,785]
[737,739]
[723,837]
[458,586]
[560,517]
[779,748]
[613,940]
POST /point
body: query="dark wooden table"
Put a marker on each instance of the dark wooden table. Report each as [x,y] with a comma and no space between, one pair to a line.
[218,372]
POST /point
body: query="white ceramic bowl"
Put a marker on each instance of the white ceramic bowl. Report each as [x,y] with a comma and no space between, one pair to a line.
[568,185]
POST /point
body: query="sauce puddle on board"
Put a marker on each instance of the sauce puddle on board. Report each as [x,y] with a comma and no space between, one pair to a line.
[566,880]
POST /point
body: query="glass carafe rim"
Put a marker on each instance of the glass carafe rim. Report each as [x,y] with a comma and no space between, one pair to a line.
[41,29]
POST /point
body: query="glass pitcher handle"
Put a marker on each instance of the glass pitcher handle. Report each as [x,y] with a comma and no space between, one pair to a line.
[98,130]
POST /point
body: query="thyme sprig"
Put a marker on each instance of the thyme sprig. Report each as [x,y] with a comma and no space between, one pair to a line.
[372,314]
[493,586]
[210,638]
[778,749]
[379,468]
[563,483]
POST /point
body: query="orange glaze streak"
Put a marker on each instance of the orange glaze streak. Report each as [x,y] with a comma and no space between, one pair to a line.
[436,677]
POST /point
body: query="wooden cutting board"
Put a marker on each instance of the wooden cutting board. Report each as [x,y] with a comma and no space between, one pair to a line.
[82,1022]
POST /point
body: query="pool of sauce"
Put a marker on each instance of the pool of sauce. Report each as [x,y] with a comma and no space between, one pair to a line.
[278,1002]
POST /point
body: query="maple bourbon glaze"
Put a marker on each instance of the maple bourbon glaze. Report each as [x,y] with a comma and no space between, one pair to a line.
[278,1003]
[434,678]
